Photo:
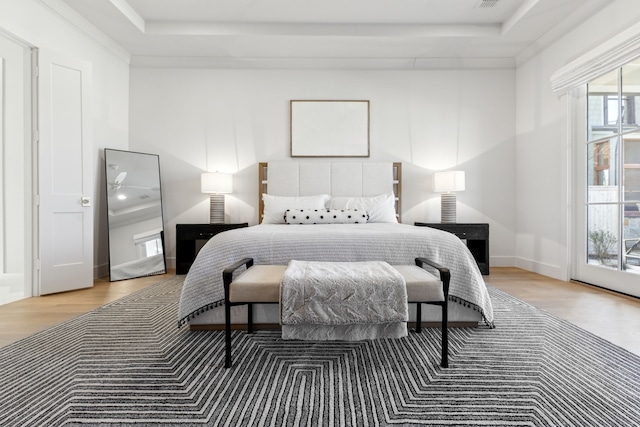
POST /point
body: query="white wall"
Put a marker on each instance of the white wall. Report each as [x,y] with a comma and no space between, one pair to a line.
[33,22]
[542,154]
[229,120]
[14,85]
[516,166]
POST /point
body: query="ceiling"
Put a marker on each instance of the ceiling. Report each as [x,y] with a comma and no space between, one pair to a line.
[377,33]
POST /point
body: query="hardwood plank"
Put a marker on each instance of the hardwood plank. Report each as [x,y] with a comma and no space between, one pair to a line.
[612,316]
[28,316]
[609,315]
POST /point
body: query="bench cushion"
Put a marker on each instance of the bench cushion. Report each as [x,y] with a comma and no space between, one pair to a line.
[421,285]
[261,283]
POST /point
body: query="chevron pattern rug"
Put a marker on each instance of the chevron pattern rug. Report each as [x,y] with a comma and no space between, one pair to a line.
[127,364]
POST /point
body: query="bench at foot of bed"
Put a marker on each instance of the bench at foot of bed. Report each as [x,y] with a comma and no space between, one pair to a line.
[261,284]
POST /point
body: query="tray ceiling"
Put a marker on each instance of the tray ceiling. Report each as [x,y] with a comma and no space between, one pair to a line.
[404,33]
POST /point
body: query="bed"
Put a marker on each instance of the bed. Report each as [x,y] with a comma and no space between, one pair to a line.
[372,187]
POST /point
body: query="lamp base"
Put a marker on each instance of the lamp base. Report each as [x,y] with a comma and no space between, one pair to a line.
[448,208]
[216,209]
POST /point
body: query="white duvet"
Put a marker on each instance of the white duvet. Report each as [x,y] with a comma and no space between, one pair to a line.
[397,244]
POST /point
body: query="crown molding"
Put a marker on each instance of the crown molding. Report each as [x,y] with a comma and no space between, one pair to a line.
[321,63]
[69,15]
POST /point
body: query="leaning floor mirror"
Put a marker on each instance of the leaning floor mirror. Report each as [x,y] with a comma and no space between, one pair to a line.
[134,206]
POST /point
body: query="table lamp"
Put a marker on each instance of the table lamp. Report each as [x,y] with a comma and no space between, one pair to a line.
[448,183]
[216,184]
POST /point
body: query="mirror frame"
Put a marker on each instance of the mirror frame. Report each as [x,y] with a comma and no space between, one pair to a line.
[114,186]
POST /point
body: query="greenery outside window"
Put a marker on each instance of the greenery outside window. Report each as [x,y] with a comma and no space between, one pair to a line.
[613,168]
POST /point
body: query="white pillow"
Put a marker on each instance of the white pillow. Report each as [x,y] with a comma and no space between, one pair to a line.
[380,208]
[275,206]
[325,216]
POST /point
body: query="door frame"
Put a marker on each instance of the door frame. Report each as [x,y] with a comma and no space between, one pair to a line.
[29,165]
[615,280]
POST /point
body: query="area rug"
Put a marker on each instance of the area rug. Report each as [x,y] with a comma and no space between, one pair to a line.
[128,364]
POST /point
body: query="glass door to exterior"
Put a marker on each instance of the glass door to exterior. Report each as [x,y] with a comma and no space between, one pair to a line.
[608,177]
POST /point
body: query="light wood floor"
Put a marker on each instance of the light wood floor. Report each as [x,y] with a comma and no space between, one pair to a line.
[612,316]
[30,315]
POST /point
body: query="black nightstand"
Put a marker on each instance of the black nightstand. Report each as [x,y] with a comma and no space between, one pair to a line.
[476,236]
[191,237]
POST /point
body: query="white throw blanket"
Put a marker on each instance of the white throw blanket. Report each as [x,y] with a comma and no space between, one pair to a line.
[343,301]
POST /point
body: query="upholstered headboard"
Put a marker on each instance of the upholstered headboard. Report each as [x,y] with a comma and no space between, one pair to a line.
[334,178]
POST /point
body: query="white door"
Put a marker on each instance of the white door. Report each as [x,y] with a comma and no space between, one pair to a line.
[607,181]
[65,174]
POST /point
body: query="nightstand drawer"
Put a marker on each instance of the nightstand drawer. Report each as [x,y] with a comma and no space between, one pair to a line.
[475,235]
[190,233]
[191,237]
[470,232]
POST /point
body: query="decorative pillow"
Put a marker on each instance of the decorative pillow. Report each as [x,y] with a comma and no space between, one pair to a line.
[325,216]
[274,206]
[380,208]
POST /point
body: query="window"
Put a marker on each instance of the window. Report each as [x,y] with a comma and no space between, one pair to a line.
[601,163]
[631,170]
[148,244]
[613,168]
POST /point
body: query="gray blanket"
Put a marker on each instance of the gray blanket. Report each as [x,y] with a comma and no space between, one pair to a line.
[397,244]
[345,301]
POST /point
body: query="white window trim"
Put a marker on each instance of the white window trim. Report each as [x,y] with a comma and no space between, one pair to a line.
[147,235]
[608,56]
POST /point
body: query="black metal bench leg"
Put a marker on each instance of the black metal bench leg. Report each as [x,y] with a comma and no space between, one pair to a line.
[445,278]
[445,335]
[249,318]
[418,317]
[227,278]
[227,335]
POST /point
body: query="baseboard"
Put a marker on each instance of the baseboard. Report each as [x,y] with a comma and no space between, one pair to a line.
[553,271]
[502,261]
[100,271]
[171,262]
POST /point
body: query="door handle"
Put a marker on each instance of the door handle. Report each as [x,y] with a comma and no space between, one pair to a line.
[85,201]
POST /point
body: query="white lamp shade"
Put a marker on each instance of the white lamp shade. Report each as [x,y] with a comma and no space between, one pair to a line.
[216,183]
[449,181]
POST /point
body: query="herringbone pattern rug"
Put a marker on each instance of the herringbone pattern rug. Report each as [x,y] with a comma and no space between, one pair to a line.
[127,364]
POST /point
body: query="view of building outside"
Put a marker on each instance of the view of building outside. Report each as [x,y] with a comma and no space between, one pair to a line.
[613,181]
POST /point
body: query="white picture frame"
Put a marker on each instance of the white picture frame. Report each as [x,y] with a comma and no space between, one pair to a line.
[329,128]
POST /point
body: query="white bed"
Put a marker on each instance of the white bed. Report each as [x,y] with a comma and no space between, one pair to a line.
[278,243]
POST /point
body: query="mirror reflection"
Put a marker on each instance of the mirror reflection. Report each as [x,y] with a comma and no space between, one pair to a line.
[134,204]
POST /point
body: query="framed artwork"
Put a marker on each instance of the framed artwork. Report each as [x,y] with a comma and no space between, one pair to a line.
[329,128]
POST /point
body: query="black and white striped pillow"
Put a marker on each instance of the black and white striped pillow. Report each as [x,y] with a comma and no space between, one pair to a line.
[325,216]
